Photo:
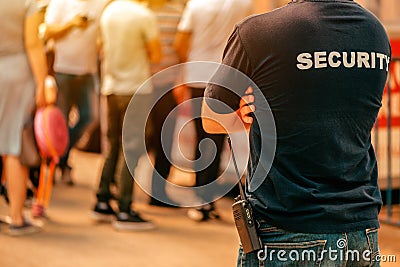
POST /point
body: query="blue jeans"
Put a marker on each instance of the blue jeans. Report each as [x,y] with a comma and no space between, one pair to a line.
[282,248]
[79,91]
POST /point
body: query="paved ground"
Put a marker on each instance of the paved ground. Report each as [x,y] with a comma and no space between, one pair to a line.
[71,239]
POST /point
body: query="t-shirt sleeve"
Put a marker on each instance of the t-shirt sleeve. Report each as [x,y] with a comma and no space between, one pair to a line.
[151,30]
[232,79]
[186,22]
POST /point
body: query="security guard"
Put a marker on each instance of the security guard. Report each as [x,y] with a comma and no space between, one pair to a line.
[321,66]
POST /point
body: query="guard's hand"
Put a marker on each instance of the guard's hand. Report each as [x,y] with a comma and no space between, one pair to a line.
[246,108]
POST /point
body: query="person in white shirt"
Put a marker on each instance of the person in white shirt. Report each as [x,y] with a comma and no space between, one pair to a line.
[203,31]
[73,25]
[130,41]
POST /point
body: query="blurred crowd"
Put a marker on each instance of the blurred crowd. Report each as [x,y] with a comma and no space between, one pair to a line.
[100,52]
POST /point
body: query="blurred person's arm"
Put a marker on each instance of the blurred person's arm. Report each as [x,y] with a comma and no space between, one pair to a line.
[36,55]
[100,49]
[236,121]
[182,45]
[154,50]
[180,93]
[99,39]
[183,37]
[57,31]
[151,35]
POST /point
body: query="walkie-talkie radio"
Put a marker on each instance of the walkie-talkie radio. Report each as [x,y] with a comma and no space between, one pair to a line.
[243,216]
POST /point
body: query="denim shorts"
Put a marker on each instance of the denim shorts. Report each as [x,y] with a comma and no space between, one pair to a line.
[283,248]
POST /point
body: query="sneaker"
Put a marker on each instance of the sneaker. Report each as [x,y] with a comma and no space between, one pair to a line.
[196,215]
[26,229]
[203,213]
[103,212]
[131,221]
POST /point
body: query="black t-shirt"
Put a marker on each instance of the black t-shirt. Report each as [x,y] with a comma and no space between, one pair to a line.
[322,66]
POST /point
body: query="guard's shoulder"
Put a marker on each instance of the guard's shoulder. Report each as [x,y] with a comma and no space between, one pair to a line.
[249,22]
[265,19]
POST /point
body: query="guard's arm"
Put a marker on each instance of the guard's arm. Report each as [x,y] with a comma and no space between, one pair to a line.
[239,120]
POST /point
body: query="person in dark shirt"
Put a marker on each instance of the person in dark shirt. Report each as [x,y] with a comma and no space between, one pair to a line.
[317,71]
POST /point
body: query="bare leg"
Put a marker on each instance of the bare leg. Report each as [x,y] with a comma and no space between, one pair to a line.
[16,179]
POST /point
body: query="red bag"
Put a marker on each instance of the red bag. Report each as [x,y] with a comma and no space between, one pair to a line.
[51,132]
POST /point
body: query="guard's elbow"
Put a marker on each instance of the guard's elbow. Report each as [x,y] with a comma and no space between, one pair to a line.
[206,125]
[212,127]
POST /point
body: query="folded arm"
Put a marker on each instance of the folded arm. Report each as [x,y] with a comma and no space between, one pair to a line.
[236,121]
